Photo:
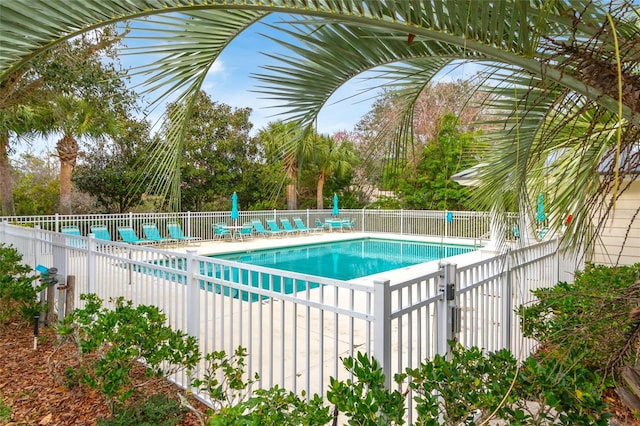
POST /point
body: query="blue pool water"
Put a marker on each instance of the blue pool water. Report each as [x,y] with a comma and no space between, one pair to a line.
[346,260]
[343,260]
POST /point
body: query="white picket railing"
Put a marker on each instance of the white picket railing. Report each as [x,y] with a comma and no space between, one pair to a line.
[458,224]
[296,339]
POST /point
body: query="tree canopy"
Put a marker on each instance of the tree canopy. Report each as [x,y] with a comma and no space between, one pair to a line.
[563,73]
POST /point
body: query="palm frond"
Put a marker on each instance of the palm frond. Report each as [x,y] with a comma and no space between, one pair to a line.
[551,141]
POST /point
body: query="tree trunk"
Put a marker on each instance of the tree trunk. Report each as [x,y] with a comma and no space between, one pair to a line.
[292,193]
[292,197]
[6,181]
[68,153]
[319,189]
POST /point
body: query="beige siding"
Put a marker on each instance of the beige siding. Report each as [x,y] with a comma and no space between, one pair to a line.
[610,250]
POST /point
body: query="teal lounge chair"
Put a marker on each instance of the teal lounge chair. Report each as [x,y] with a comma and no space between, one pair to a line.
[73,231]
[151,233]
[128,235]
[273,226]
[302,227]
[260,229]
[288,227]
[101,232]
[221,232]
[175,232]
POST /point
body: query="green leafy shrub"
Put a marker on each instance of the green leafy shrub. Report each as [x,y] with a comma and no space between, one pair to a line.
[365,400]
[463,389]
[273,407]
[18,287]
[119,339]
[225,384]
[473,386]
[276,406]
[156,410]
[566,394]
[224,378]
[571,320]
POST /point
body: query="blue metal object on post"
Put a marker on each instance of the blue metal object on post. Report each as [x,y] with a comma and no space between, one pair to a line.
[48,276]
[42,269]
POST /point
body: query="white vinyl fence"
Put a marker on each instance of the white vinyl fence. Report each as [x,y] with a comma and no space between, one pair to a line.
[448,224]
[298,327]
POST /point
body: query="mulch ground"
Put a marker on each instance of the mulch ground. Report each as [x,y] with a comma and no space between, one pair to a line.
[36,395]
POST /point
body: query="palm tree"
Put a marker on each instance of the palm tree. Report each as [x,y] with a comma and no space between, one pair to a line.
[331,158]
[75,118]
[31,102]
[564,72]
[292,145]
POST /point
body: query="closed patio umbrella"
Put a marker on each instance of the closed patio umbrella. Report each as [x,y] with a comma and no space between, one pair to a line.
[541,216]
[235,214]
[336,211]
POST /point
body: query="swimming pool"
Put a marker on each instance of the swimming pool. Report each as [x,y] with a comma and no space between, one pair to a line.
[349,259]
[343,260]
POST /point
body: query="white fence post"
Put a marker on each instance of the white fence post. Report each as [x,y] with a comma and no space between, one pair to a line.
[382,327]
[446,309]
[506,285]
[192,305]
[37,244]
[92,273]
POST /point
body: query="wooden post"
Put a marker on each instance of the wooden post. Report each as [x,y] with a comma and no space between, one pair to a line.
[69,303]
[51,305]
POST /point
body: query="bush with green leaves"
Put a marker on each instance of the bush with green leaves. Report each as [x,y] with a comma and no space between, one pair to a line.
[466,387]
[571,319]
[365,400]
[224,383]
[121,338]
[471,386]
[463,388]
[156,410]
[224,380]
[563,393]
[273,407]
[18,287]
[279,407]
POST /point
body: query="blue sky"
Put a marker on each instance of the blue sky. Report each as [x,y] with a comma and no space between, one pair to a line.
[229,81]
